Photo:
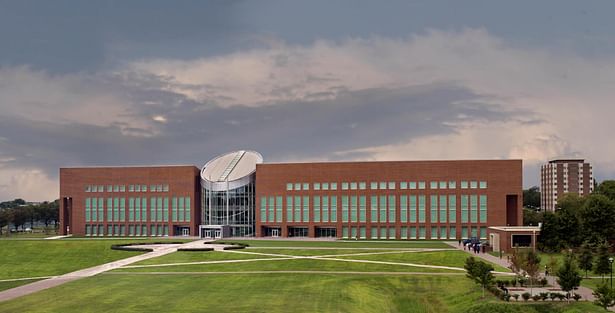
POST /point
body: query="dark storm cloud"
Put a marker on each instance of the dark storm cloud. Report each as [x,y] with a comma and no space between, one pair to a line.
[195,132]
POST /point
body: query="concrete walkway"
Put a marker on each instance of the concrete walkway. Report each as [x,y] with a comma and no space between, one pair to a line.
[159,250]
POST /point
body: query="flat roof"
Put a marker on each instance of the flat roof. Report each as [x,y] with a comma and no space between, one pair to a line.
[129,166]
[567,161]
[393,161]
[516,228]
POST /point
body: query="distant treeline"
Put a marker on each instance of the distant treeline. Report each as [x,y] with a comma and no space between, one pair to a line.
[18,213]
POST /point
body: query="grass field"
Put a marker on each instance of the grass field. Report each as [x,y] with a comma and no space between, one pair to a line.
[345,244]
[267,293]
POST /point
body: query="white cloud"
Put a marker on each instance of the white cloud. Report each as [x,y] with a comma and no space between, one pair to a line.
[30,184]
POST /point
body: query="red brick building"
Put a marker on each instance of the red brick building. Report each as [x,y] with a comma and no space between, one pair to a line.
[562,176]
[130,201]
[236,194]
[388,200]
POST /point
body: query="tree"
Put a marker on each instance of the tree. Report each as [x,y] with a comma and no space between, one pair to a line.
[605,296]
[479,272]
[531,198]
[5,219]
[567,276]
[586,258]
[602,266]
[607,188]
[531,266]
[19,217]
[553,264]
[550,238]
[532,217]
[516,261]
[598,218]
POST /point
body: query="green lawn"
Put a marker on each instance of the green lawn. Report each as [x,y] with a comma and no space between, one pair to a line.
[345,244]
[269,293]
[313,252]
[34,258]
[198,256]
[593,283]
[443,258]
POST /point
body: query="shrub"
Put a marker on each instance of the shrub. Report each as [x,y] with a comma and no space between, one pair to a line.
[536,297]
[234,248]
[544,296]
[544,281]
[526,296]
[506,297]
[514,283]
[561,296]
[507,283]
[516,296]
[195,249]
[576,297]
[552,296]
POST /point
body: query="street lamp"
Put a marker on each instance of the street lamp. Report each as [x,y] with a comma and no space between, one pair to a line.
[611,263]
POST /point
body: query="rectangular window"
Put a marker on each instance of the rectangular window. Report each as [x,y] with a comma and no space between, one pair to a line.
[353,186]
[333,186]
[362,233]
[345,232]
[452,208]
[297,209]
[374,209]
[482,185]
[362,185]
[443,185]
[344,186]
[473,184]
[362,209]
[88,188]
[297,186]
[421,208]
[464,184]
[289,209]
[325,186]
[474,231]
[87,210]
[152,230]
[412,185]
[316,209]
[391,185]
[109,230]
[433,185]
[325,209]
[122,230]
[88,230]
[412,232]
[109,188]
[383,185]
[392,209]
[94,210]
[422,232]
[174,209]
[116,209]
[383,209]
[353,232]
[166,209]
[131,188]
[373,185]
[353,209]
[116,188]
[452,232]
[137,230]
[152,209]
[403,209]
[344,209]
[109,209]
[333,208]
[383,233]
[101,210]
[306,186]
[122,188]
[443,200]
[122,209]
[289,186]
[159,209]
[403,185]
[373,233]
[306,208]
[473,208]
[452,184]
[434,233]
[316,186]
[412,209]
[138,189]
[483,208]
[421,185]
[131,209]
[483,232]
[159,188]
[165,187]
[278,209]
[263,209]
[144,209]
[433,205]
[137,209]
[271,208]
[464,209]
[392,233]
[443,232]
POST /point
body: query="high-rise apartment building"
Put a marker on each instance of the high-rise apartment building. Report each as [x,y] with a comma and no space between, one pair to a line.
[559,177]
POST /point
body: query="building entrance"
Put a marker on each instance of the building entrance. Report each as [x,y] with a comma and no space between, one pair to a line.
[185,231]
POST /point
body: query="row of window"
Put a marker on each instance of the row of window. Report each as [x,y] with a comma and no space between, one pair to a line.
[388,185]
[124,230]
[413,232]
[382,209]
[159,210]
[131,188]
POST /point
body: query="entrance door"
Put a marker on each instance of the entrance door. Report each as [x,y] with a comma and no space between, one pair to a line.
[275,232]
[207,233]
[185,231]
[218,234]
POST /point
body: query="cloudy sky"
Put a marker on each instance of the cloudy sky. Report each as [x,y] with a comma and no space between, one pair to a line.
[178,82]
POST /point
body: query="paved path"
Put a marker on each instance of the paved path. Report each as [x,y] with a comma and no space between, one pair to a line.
[159,250]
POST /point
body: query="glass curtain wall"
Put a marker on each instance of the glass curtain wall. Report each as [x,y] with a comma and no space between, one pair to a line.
[233,207]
